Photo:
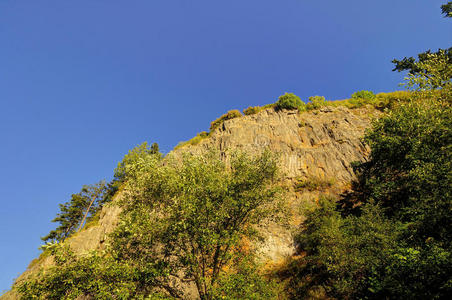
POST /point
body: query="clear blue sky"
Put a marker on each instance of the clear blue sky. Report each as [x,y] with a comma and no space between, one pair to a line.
[82,82]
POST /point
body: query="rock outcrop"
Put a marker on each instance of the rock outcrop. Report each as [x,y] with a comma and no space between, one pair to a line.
[317,145]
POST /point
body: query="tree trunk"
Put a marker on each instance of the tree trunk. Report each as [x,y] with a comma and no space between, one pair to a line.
[86,213]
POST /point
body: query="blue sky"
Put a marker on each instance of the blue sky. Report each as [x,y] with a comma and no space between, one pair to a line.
[82,82]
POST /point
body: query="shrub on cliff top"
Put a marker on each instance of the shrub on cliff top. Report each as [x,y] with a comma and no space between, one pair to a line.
[289,101]
[252,110]
[316,102]
[368,95]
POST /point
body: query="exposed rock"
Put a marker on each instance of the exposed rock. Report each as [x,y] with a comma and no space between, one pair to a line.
[310,144]
[317,144]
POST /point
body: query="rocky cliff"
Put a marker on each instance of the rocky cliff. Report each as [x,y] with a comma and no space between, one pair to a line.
[315,147]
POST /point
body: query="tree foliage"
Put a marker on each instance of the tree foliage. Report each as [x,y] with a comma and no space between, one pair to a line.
[409,171]
[188,219]
[72,212]
[446,9]
[410,64]
[134,155]
[198,210]
[392,239]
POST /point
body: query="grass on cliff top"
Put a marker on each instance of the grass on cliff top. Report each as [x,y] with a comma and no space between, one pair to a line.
[359,99]
[194,141]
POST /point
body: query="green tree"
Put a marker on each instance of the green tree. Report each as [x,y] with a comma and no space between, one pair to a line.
[434,71]
[390,238]
[133,156]
[196,210]
[188,218]
[342,253]
[432,68]
[73,213]
[411,65]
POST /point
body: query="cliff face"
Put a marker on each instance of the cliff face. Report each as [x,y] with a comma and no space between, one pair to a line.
[316,147]
[313,146]
[320,143]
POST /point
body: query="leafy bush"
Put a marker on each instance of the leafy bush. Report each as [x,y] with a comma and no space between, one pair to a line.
[341,253]
[391,239]
[316,102]
[289,101]
[252,110]
[232,114]
[368,95]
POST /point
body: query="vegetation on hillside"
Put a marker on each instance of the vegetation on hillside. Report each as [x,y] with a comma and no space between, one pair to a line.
[82,206]
[85,206]
[390,237]
[191,217]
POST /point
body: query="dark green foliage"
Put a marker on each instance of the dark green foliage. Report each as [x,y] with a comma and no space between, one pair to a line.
[393,238]
[414,273]
[446,9]
[232,114]
[420,67]
[390,238]
[409,169]
[154,148]
[342,252]
[289,101]
[72,212]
